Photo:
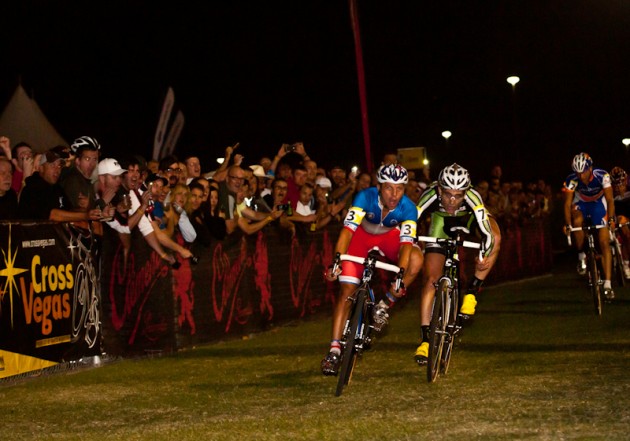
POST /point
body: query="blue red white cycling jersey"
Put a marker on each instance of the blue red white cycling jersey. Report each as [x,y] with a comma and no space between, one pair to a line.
[589,198]
[592,191]
[365,220]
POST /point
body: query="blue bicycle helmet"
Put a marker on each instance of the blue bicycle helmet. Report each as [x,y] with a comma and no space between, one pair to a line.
[392,173]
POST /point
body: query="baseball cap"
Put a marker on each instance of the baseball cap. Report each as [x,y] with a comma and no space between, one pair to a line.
[323,182]
[109,166]
[52,156]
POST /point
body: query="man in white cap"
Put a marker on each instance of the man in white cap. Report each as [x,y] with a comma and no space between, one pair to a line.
[109,181]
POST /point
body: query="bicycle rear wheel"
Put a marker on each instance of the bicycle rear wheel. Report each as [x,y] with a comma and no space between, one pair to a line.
[617,265]
[350,348]
[437,331]
[593,274]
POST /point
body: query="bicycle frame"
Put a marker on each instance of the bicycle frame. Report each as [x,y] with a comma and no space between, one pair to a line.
[357,331]
[445,318]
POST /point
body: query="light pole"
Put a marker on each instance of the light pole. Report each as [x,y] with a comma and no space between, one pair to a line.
[513,81]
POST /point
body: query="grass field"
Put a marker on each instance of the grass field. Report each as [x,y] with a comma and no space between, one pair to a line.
[536,364]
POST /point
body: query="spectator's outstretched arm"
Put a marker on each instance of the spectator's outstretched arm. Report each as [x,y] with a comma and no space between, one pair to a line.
[169,243]
[154,243]
[59,215]
[185,226]
[252,227]
[277,158]
[221,173]
[5,145]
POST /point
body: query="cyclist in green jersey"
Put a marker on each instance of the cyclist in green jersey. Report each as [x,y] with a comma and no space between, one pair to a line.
[451,201]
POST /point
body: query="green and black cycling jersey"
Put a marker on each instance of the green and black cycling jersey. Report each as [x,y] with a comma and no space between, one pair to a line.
[471,214]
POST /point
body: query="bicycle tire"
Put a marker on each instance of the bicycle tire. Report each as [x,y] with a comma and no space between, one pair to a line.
[451,326]
[437,331]
[350,351]
[594,282]
[618,262]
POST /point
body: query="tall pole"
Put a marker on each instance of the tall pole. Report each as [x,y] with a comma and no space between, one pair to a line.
[354,18]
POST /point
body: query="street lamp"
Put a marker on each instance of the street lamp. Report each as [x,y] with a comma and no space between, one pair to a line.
[626,141]
[447,134]
[513,80]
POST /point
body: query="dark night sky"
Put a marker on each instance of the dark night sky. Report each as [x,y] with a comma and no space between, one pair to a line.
[263,73]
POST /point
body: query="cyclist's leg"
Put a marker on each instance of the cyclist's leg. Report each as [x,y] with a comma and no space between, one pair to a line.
[577,220]
[349,279]
[482,269]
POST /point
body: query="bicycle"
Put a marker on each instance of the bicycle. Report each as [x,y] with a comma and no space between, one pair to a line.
[357,332]
[446,321]
[595,282]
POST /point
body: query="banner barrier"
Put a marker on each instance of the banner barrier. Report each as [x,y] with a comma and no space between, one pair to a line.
[50,298]
[66,295]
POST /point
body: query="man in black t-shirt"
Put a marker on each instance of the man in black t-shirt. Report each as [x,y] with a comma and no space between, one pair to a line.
[42,198]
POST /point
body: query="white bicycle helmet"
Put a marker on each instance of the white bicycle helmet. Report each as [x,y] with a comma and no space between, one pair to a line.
[454,177]
[581,162]
[392,173]
[85,142]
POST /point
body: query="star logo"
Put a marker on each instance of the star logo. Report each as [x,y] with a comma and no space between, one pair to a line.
[9,272]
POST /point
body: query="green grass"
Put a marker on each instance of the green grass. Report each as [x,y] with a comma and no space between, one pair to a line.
[536,364]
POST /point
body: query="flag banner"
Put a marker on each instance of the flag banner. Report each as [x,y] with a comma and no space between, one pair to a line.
[165,116]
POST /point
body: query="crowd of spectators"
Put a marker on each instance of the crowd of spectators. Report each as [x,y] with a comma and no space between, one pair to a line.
[512,202]
[173,202]
[160,198]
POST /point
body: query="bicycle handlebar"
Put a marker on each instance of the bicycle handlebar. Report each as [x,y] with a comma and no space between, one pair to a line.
[377,264]
[584,228]
[464,243]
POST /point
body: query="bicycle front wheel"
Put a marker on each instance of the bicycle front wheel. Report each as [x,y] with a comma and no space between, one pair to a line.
[437,331]
[596,289]
[350,350]
[617,265]
[451,327]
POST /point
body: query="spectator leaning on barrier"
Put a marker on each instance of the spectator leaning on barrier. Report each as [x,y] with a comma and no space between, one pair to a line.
[77,181]
[109,182]
[43,198]
[138,215]
[197,214]
[158,186]
[215,219]
[177,216]
[8,197]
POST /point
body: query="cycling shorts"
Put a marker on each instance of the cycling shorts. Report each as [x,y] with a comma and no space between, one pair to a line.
[361,243]
[595,211]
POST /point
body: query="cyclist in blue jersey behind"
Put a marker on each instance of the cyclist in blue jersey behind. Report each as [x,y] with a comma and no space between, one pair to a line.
[451,201]
[380,216]
[589,195]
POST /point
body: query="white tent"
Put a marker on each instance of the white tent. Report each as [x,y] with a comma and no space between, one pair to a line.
[23,121]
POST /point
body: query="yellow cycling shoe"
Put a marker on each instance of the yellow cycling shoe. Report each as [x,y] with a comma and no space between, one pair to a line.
[422,353]
[468,305]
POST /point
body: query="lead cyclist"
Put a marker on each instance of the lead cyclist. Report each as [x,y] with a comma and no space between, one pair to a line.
[380,216]
[451,201]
